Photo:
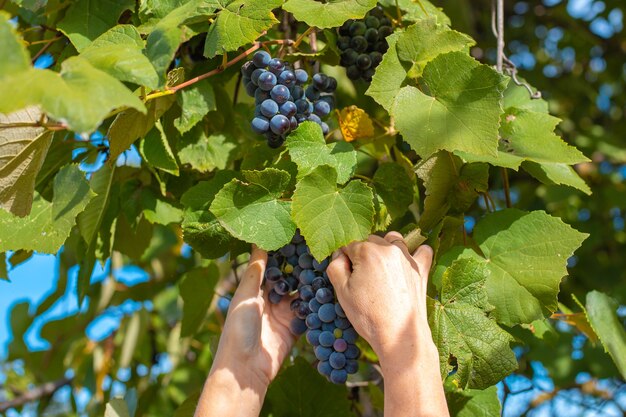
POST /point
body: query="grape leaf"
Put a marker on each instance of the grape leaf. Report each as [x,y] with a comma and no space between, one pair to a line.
[4,274]
[130,125]
[251,209]
[48,224]
[157,152]
[355,123]
[158,210]
[551,173]
[331,217]
[15,58]
[300,391]
[196,290]
[460,112]
[329,14]
[116,407]
[22,154]
[461,329]
[521,250]
[308,150]
[85,20]
[119,53]
[205,153]
[389,76]
[414,11]
[474,403]
[423,41]
[601,311]
[395,188]
[173,29]
[195,102]
[451,186]
[238,23]
[529,136]
[201,195]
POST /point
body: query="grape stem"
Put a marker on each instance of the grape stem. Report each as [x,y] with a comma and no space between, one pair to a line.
[507,188]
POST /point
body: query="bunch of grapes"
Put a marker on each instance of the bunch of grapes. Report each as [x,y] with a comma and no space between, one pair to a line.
[282,98]
[362,44]
[318,314]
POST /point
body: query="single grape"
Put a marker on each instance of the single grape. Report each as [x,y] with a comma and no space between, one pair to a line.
[381,47]
[348,57]
[331,85]
[293,122]
[372,22]
[273,140]
[344,30]
[297,326]
[247,69]
[273,274]
[320,266]
[276,66]
[350,335]
[318,283]
[338,333]
[352,366]
[342,323]
[337,360]
[314,305]
[281,287]
[269,108]
[261,59]
[280,93]
[293,283]
[297,92]
[250,88]
[295,303]
[368,74]
[260,95]
[307,276]
[353,72]
[315,118]
[321,108]
[288,268]
[293,259]
[313,321]
[287,77]
[377,11]
[325,128]
[306,293]
[325,295]
[302,106]
[357,28]
[287,250]
[376,58]
[303,310]
[301,76]
[384,31]
[322,353]
[340,345]
[289,109]
[256,74]
[313,337]
[267,81]
[359,44]
[338,376]
[343,42]
[279,124]
[272,260]
[260,125]
[363,62]
[326,339]
[324,368]
[305,261]
[319,80]
[312,93]
[371,35]
[297,237]
[326,312]
[384,21]
[274,297]
[328,327]
[352,352]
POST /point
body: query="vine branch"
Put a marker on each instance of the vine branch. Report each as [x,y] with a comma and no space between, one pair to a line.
[35,394]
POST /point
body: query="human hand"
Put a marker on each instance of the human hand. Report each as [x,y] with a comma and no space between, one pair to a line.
[382,289]
[256,336]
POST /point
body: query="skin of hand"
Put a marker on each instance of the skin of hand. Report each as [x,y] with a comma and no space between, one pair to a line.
[382,289]
[253,345]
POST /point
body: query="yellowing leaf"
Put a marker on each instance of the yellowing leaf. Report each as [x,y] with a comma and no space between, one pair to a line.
[355,123]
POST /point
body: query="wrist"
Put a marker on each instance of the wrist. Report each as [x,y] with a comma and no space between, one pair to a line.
[412,346]
[238,374]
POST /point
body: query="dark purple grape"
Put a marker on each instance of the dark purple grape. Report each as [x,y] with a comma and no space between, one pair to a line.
[261,59]
[279,124]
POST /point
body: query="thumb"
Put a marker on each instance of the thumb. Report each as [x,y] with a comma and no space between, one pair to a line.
[424,259]
[250,285]
[339,269]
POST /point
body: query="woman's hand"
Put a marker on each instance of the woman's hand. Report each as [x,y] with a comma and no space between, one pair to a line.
[254,343]
[382,289]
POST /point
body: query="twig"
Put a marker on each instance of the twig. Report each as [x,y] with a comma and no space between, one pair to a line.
[303,36]
[507,190]
[44,48]
[35,394]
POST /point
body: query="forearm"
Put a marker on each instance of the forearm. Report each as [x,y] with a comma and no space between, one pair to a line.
[413,385]
[226,395]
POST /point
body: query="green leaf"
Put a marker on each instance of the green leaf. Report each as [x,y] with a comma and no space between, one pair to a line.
[205,153]
[414,11]
[560,174]
[460,112]
[195,103]
[116,407]
[329,14]
[119,53]
[196,290]
[602,315]
[90,219]
[134,332]
[395,188]
[15,58]
[425,40]
[331,217]
[201,195]
[308,150]
[80,95]
[474,403]
[165,38]
[130,125]
[251,209]
[529,136]
[158,210]
[300,391]
[526,254]
[157,152]
[389,76]
[22,154]
[4,274]
[238,23]
[85,20]
[462,330]
[48,224]
[451,186]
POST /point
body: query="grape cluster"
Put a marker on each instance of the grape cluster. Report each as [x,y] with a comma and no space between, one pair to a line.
[282,98]
[317,312]
[362,44]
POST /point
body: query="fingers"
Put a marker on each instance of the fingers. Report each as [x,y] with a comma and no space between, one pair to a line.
[339,269]
[250,285]
[396,239]
[424,259]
